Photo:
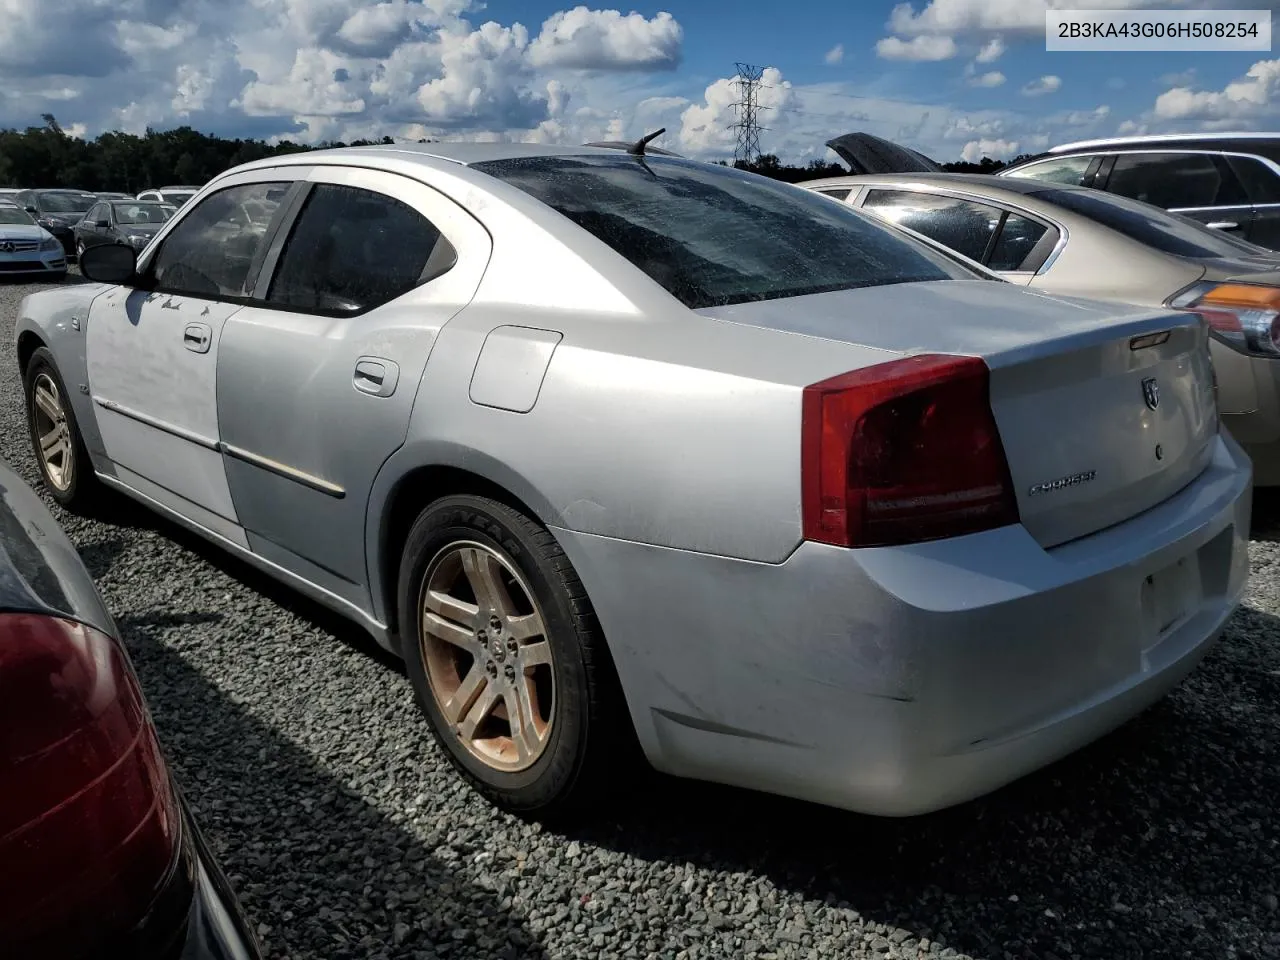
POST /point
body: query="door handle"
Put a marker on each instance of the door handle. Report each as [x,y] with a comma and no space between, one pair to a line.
[1223,225]
[196,337]
[376,376]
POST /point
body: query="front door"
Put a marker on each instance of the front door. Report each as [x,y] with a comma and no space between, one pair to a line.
[153,354]
[317,380]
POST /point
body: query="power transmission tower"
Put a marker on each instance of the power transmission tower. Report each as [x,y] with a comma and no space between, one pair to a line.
[747,148]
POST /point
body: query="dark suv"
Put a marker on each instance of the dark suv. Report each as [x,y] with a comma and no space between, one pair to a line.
[58,211]
[1228,181]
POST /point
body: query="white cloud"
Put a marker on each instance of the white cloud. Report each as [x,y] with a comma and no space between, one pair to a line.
[975,150]
[606,40]
[1251,97]
[1046,84]
[991,50]
[922,47]
[992,78]
[834,55]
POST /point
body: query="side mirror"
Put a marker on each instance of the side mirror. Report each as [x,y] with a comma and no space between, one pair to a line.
[30,208]
[102,223]
[110,263]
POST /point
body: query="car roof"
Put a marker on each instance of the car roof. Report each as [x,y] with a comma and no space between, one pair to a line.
[1179,139]
[461,152]
[976,181]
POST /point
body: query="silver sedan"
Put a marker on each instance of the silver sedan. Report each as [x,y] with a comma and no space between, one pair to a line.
[1083,242]
[616,449]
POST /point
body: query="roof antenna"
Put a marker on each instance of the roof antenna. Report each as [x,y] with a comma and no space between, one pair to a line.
[637,148]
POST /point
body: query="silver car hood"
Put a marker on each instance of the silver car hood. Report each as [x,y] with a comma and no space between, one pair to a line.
[22,231]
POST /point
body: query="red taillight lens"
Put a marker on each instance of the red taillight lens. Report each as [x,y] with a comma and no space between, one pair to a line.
[89,823]
[902,452]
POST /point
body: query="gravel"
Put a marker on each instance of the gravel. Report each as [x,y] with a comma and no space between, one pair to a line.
[346,834]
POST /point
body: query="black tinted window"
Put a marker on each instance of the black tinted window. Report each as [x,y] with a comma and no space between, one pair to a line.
[66,202]
[1069,170]
[1018,238]
[961,225]
[1260,181]
[1163,231]
[713,235]
[209,253]
[353,249]
[1167,179]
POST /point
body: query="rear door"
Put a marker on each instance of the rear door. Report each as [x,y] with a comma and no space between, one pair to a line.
[317,379]
[1201,186]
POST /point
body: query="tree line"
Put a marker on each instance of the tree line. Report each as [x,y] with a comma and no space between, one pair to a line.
[47,156]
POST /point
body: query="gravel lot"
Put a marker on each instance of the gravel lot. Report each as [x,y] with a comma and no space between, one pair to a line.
[346,835]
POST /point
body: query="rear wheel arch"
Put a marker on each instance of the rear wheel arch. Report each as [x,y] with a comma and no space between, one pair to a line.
[410,495]
[28,343]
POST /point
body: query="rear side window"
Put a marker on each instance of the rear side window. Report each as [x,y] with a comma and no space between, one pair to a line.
[209,253]
[353,249]
[1173,180]
[1020,244]
[1261,183]
[1069,170]
[713,235]
[961,225]
[839,193]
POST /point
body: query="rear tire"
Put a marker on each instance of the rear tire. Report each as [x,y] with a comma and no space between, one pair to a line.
[59,449]
[510,631]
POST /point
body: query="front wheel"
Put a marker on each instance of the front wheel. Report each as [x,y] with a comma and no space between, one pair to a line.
[507,659]
[55,436]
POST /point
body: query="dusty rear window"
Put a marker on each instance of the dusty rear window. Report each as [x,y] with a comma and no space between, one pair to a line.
[714,235]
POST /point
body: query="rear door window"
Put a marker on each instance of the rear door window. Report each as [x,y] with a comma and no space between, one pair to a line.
[962,225]
[1261,183]
[352,250]
[1174,180]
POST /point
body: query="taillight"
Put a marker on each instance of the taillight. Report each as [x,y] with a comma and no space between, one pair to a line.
[1245,316]
[89,823]
[902,452]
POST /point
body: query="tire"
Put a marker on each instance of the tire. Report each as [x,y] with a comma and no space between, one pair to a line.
[77,487]
[587,741]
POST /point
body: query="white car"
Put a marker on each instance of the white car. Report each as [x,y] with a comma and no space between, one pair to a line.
[174,195]
[27,248]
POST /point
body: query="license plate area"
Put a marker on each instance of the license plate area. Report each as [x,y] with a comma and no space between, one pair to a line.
[1169,595]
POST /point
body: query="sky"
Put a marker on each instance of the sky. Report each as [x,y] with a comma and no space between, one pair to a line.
[952,78]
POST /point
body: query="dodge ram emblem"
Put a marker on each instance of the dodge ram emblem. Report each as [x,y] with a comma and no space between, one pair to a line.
[1151,392]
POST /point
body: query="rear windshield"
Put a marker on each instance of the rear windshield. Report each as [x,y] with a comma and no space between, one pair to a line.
[714,235]
[1167,232]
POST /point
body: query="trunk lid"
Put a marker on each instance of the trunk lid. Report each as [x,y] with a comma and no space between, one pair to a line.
[1104,410]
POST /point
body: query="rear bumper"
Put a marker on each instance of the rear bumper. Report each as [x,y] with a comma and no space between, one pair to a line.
[901,680]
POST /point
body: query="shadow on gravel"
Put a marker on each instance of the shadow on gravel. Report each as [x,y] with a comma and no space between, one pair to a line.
[352,883]
[1266,514]
[1159,840]
[121,511]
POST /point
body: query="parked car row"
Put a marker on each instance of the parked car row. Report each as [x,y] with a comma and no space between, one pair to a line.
[624,450]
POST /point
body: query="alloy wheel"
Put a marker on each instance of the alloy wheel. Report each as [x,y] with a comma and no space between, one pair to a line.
[487,655]
[57,455]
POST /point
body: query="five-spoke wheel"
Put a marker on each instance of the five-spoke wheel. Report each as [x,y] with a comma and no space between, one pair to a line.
[507,660]
[488,659]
